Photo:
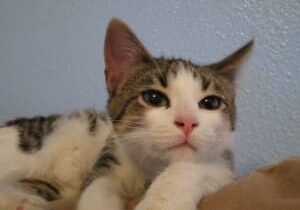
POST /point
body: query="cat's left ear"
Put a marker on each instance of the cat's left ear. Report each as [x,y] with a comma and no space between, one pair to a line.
[123,53]
[230,66]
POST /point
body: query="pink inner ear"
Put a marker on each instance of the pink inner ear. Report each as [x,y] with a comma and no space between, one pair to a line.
[113,78]
[113,59]
[118,56]
[122,51]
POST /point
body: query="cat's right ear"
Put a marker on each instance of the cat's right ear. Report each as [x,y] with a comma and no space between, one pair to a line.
[123,52]
[229,67]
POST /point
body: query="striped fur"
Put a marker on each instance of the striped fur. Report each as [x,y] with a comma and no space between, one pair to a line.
[32,131]
[41,188]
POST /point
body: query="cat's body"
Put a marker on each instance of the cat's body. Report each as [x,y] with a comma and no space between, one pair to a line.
[65,152]
[171,123]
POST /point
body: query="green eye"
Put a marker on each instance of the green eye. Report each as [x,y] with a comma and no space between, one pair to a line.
[210,102]
[155,98]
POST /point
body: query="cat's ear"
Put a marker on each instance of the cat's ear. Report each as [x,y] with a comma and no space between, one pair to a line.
[230,66]
[123,52]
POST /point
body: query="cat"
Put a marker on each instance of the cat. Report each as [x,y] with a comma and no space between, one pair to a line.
[167,131]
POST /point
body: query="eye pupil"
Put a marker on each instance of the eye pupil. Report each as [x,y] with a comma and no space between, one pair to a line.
[210,103]
[155,98]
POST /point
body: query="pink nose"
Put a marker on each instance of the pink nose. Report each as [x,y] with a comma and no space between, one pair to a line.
[186,125]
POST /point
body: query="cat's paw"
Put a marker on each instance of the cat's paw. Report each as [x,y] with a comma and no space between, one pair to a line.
[31,205]
[165,204]
[20,201]
[163,207]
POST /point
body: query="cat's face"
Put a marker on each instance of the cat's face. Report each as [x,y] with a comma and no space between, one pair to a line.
[168,108]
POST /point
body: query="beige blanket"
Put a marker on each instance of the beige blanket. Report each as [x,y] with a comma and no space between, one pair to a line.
[275,187]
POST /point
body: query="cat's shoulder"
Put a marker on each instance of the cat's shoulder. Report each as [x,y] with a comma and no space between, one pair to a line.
[31,131]
[48,121]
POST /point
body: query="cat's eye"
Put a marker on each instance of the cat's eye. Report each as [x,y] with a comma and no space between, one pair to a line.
[155,98]
[210,102]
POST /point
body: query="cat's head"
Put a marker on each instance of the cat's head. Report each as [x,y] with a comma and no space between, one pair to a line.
[171,109]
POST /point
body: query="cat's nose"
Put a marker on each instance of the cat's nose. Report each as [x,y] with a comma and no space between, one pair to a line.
[186,125]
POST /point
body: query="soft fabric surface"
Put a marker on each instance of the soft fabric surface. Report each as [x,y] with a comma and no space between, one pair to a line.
[275,187]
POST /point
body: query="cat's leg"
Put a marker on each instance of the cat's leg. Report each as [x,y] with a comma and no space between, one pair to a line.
[12,198]
[103,193]
[182,185]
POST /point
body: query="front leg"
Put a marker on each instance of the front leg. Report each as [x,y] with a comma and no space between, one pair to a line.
[182,185]
[103,193]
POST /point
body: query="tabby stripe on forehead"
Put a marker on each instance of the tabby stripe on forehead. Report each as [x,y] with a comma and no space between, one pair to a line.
[205,83]
[162,79]
[195,75]
[217,86]
[119,116]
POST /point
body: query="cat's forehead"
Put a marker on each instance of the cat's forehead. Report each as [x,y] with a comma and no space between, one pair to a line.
[182,74]
[182,78]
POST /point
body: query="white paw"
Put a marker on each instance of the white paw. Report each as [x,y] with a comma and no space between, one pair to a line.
[31,205]
[34,204]
[163,207]
[166,204]
[21,201]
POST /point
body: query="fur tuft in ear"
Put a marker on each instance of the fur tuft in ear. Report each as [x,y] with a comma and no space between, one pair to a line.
[229,66]
[123,52]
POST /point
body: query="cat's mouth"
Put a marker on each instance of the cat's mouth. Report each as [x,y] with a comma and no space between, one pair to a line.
[184,144]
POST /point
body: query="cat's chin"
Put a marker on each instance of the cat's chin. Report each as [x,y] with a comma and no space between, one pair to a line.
[183,145]
[182,153]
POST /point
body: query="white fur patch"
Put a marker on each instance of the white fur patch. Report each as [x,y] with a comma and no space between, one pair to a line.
[102,194]
[69,153]
[67,156]
[12,160]
[183,184]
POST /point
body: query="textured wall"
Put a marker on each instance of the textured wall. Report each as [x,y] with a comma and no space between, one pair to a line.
[51,59]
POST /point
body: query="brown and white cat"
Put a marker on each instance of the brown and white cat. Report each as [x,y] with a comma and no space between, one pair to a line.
[168,126]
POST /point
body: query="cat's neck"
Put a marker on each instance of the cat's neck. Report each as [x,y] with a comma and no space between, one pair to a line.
[150,167]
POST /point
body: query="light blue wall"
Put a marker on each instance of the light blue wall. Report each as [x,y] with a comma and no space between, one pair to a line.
[51,59]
